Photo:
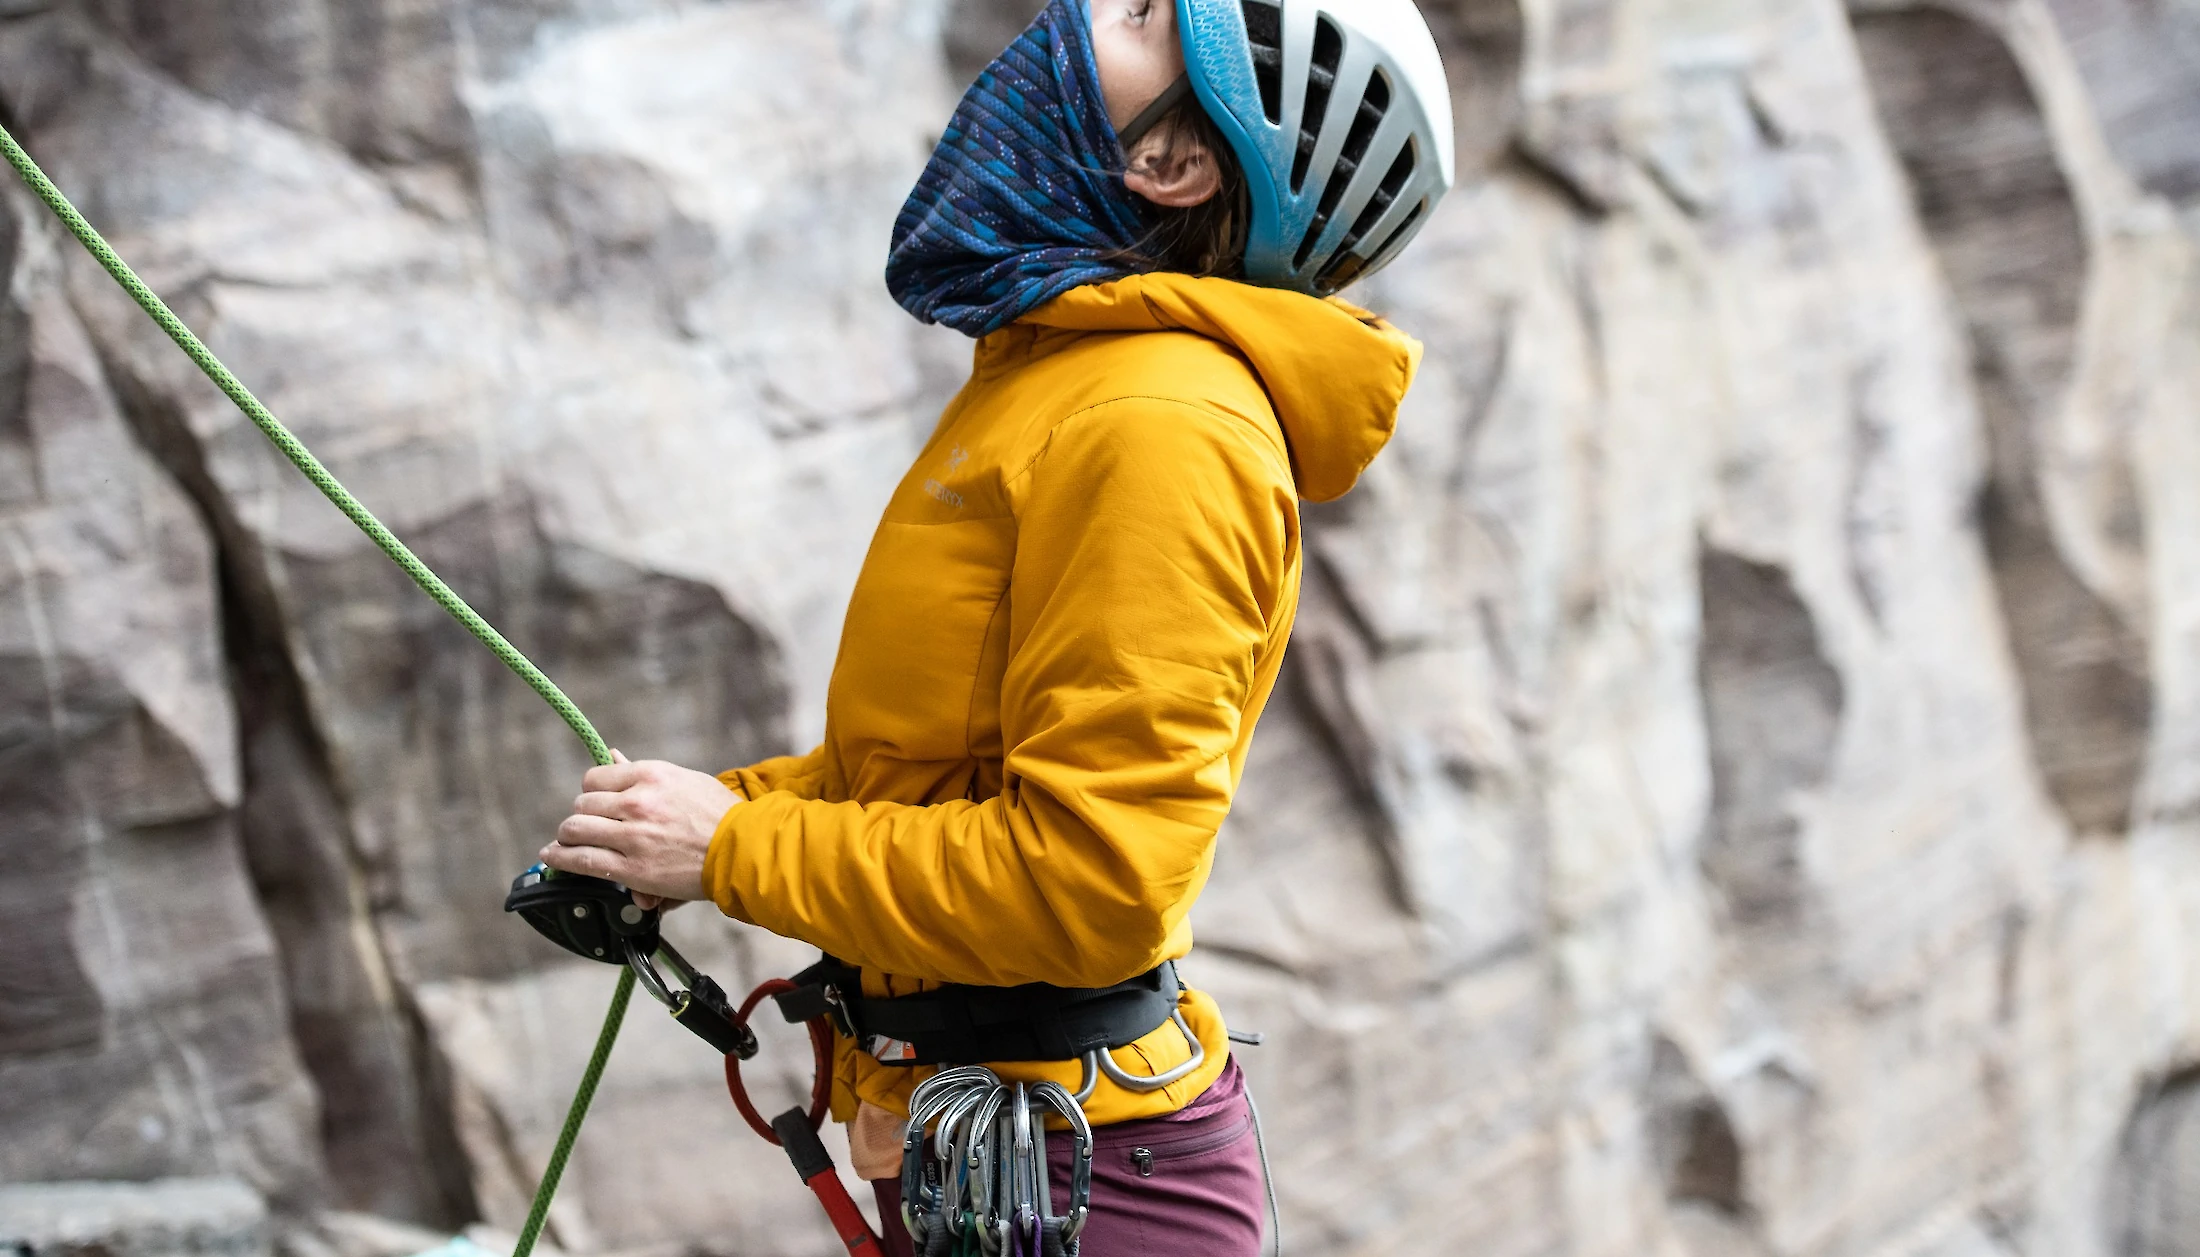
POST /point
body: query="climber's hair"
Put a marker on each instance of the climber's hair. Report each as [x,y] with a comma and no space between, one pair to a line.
[1207,239]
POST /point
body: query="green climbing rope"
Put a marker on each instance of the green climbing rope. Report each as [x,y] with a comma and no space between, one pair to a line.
[539,1212]
[295,450]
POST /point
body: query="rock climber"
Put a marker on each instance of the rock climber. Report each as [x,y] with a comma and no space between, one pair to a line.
[1077,601]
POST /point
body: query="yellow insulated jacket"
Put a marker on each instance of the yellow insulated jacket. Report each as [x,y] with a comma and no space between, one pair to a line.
[1066,626]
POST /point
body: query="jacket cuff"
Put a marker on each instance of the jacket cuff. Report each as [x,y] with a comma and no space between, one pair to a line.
[742,842]
[718,862]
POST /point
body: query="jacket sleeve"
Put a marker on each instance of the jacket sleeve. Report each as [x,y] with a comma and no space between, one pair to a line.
[1153,540]
[800,775]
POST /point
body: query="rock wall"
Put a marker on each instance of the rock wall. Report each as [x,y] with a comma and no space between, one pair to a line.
[1736,785]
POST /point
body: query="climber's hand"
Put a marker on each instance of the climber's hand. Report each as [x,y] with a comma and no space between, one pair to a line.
[646,826]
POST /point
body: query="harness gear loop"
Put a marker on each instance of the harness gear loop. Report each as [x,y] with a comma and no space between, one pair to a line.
[1105,1063]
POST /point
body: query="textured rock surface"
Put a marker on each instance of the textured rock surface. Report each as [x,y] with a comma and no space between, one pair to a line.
[142,1026]
[177,1217]
[1736,787]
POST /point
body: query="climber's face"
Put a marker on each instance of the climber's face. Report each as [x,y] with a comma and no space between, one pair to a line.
[1134,42]
[1135,46]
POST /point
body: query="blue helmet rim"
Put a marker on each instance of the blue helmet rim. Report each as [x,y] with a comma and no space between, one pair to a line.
[1223,21]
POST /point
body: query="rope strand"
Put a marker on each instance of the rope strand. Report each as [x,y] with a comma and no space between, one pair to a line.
[303,459]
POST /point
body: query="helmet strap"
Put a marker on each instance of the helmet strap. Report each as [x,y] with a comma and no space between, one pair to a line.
[1152,114]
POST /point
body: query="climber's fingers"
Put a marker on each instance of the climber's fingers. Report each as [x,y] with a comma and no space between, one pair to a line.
[610,806]
[616,776]
[647,826]
[584,858]
[584,830]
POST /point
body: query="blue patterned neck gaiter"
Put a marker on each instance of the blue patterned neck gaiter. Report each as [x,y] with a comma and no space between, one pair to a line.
[1024,198]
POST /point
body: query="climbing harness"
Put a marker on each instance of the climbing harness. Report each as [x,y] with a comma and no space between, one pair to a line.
[950,1025]
[984,1187]
[953,1024]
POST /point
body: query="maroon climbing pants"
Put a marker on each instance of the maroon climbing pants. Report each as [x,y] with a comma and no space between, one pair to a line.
[1185,1185]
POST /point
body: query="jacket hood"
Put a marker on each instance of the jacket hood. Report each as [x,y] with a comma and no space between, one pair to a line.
[1335,373]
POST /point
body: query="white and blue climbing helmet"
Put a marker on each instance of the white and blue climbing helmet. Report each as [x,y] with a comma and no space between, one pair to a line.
[1341,117]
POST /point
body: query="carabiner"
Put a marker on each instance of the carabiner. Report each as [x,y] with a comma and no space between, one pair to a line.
[988,1187]
[1055,1096]
[702,1007]
[1022,1202]
[1101,1061]
[943,1098]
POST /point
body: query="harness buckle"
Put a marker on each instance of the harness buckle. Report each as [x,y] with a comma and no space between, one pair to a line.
[804,1003]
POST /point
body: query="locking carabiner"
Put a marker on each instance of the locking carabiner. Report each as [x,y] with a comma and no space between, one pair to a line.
[703,1007]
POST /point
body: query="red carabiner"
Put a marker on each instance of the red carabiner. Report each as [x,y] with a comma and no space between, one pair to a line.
[821,1052]
[796,1130]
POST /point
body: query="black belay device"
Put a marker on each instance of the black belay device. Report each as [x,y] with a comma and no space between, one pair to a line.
[599,920]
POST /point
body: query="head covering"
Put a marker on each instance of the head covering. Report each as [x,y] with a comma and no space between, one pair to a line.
[1023,199]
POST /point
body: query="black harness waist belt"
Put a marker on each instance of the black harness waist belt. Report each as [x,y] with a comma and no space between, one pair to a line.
[971,1025]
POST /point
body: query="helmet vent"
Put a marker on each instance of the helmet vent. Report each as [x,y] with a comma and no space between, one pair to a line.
[1393,179]
[1264,32]
[1373,104]
[1403,228]
[1321,76]
[1346,266]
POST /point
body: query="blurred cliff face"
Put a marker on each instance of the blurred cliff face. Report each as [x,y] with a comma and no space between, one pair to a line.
[1737,782]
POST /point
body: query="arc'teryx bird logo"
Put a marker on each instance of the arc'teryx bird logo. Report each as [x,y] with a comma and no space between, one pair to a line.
[956,457]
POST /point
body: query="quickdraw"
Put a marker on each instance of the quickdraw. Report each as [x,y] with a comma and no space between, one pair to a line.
[974,1177]
[599,920]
